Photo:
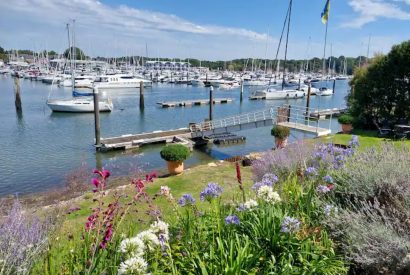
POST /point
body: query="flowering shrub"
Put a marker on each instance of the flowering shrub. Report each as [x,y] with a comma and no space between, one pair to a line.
[23,238]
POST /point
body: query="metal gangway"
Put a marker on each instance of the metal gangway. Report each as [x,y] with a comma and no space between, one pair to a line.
[294,117]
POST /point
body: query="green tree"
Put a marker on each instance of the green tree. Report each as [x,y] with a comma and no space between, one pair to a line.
[78,53]
[381,90]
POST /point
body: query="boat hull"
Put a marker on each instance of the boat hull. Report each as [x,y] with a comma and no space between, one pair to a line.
[78,106]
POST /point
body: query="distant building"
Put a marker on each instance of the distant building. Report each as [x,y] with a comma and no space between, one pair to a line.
[167,65]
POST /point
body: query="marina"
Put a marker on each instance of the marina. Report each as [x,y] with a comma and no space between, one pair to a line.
[38,138]
[194,102]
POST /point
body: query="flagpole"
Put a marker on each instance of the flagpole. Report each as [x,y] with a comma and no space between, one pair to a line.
[324,50]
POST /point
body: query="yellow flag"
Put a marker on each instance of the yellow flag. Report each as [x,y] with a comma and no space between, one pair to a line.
[325,13]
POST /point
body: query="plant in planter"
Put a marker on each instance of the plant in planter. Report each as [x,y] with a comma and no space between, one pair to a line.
[175,154]
[346,121]
[281,134]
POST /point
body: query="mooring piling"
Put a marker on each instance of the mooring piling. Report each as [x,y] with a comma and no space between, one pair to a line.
[241,99]
[308,100]
[17,101]
[211,100]
[96,118]
[334,85]
[142,105]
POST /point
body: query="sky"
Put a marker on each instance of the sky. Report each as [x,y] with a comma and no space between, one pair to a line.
[207,30]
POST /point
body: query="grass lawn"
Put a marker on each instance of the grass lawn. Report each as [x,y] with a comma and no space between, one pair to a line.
[366,138]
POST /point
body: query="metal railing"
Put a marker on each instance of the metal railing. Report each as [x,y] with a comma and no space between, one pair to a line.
[295,114]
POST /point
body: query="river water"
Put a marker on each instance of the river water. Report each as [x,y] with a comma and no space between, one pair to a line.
[39,148]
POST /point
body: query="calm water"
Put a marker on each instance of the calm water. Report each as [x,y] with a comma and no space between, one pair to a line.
[39,148]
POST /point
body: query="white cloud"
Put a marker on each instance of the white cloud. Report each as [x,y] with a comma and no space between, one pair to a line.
[371,10]
[107,28]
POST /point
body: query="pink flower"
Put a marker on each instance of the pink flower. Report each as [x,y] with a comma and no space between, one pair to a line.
[95,182]
[104,173]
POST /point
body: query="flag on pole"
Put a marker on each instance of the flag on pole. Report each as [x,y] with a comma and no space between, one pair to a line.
[325,13]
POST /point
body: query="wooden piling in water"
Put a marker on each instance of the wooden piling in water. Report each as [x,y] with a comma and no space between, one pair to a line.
[142,104]
[241,99]
[308,100]
[97,118]
[211,100]
[334,85]
[17,101]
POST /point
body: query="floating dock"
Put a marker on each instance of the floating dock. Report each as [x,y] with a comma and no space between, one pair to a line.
[226,138]
[306,128]
[194,102]
[326,113]
[126,142]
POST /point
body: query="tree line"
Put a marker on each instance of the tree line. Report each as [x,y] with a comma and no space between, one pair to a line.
[336,64]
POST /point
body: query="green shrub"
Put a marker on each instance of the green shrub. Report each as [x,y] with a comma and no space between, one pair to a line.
[175,152]
[280,131]
[346,119]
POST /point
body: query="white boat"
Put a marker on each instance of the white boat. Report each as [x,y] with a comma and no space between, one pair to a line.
[83,81]
[120,81]
[325,91]
[279,94]
[197,82]
[255,82]
[305,88]
[78,105]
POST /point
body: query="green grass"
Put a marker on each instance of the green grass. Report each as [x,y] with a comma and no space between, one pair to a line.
[366,138]
[191,181]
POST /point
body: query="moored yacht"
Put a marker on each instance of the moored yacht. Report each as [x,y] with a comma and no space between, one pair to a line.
[119,81]
[78,105]
[272,93]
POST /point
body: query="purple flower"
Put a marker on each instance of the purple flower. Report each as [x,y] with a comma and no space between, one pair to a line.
[339,161]
[290,225]
[330,209]
[233,219]
[328,179]
[311,171]
[323,189]
[186,199]
[213,190]
[354,142]
[241,207]
[268,179]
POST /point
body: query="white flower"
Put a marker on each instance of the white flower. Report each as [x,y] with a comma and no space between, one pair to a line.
[136,265]
[250,204]
[165,191]
[267,194]
[160,228]
[149,239]
[132,247]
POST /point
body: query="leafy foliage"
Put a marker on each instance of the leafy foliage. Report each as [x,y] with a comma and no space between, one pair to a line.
[280,131]
[345,119]
[78,53]
[175,152]
[382,90]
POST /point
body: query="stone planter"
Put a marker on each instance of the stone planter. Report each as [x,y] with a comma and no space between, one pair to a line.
[347,128]
[175,167]
[281,142]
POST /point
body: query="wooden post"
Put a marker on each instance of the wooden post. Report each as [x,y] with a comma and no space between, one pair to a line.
[334,85]
[288,113]
[241,91]
[96,118]
[17,102]
[142,105]
[308,100]
[211,102]
[299,84]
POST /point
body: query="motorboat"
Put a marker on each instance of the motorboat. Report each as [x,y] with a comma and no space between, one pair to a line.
[324,91]
[120,81]
[272,93]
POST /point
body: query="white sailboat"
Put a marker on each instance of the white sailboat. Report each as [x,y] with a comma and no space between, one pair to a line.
[79,104]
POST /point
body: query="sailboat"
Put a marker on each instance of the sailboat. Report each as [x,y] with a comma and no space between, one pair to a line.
[274,93]
[79,103]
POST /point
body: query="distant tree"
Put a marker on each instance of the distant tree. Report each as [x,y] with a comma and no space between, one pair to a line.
[2,50]
[381,89]
[78,53]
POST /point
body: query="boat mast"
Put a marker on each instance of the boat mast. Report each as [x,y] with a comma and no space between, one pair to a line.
[324,50]
[73,58]
[280,43]
[286,45]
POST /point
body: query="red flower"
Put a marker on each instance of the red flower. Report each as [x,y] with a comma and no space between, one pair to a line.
[95,182]
[330,186]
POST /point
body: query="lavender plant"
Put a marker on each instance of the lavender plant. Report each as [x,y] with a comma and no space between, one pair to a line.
[23,238]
